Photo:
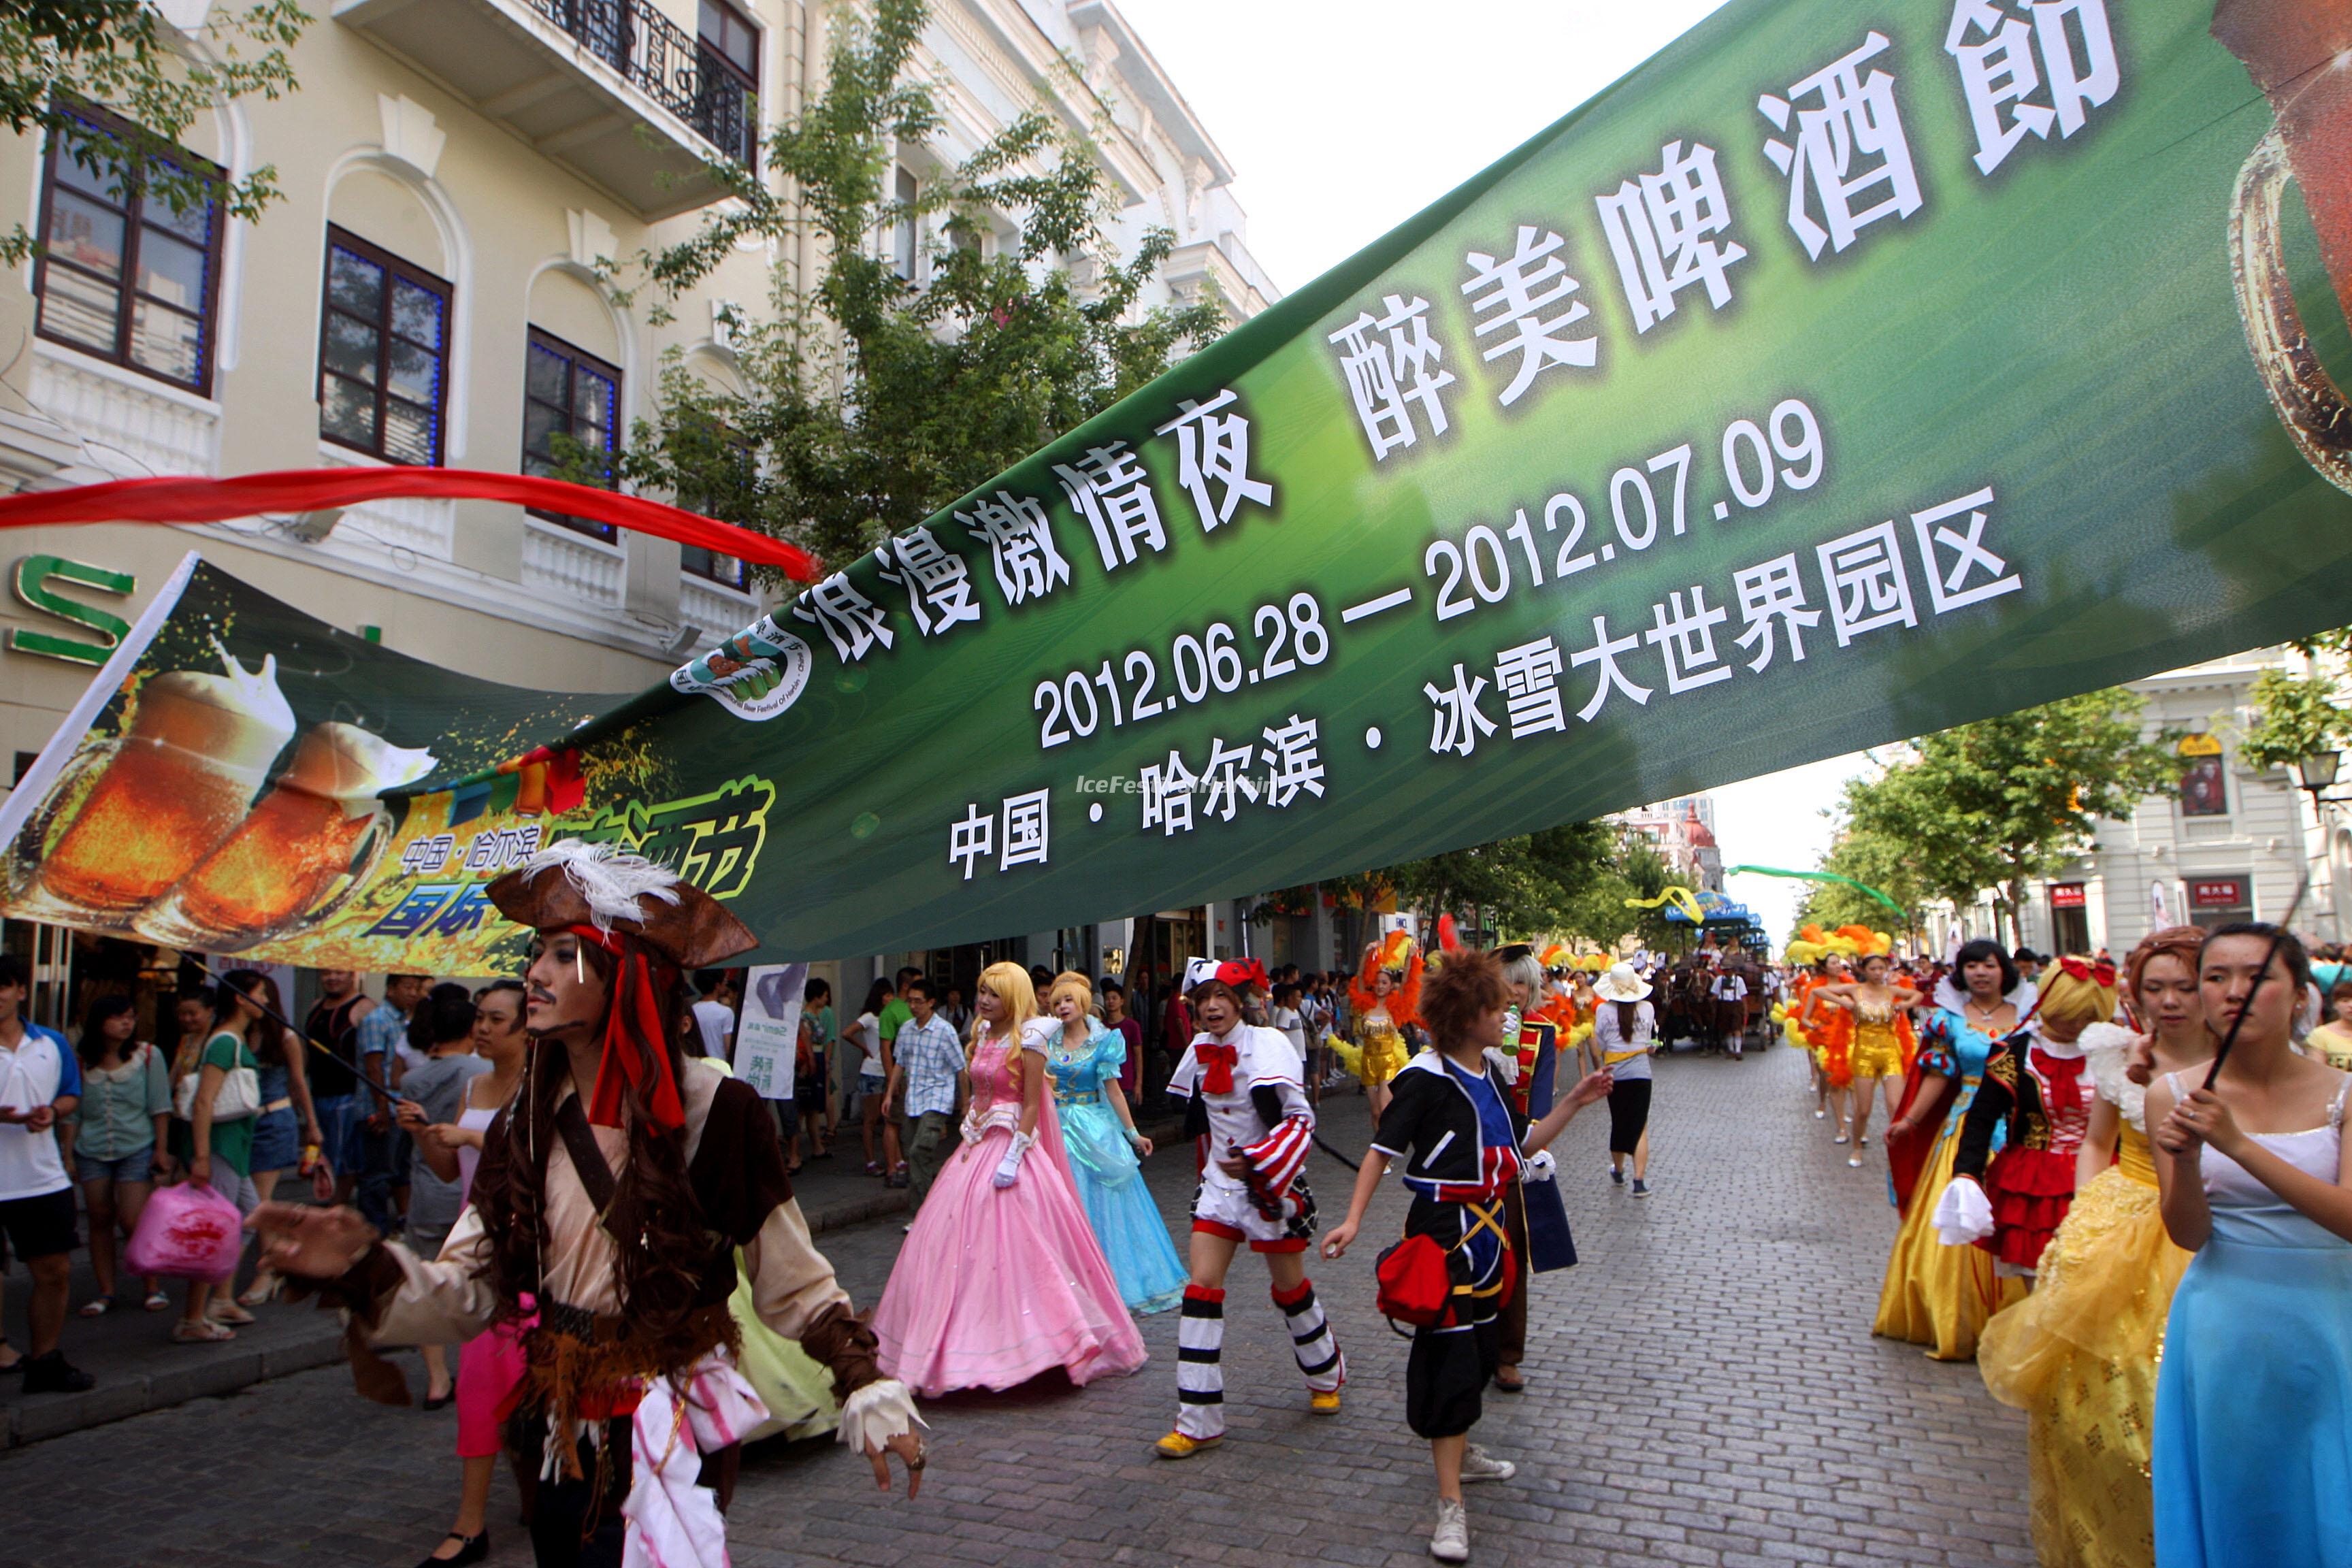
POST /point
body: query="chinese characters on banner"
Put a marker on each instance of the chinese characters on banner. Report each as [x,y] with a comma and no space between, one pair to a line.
[1834,378]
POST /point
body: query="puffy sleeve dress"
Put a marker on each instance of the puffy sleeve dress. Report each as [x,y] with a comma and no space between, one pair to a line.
[1107,1173]
[995,1285]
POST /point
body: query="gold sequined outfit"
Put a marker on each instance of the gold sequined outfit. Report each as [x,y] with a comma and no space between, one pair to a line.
[1385,1052]
[1877,1049]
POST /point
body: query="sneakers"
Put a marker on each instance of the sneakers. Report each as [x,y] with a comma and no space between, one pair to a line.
[1322,1403]
[1176,1446]
[1450,1541]
[1617,1175]
[51,1374]
[1641,1188]
[1477,1465]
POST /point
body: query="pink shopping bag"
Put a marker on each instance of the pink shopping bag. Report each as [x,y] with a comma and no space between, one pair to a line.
[188,1232]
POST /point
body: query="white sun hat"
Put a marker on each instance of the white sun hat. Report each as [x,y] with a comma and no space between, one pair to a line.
[1620,985]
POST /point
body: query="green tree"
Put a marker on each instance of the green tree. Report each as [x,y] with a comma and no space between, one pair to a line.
[2001,802]
[871,402]
[1520,886]
[1870,858]
[123,54]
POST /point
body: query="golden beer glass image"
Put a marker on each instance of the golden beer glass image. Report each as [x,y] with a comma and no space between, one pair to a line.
[275,872]
[2297,52]
[146,807]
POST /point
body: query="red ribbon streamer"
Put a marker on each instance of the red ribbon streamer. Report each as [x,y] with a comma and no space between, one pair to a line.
[191,499]
[641,1057]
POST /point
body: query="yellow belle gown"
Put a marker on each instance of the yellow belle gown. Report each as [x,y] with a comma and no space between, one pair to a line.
[1934,1295]
[2079,1356]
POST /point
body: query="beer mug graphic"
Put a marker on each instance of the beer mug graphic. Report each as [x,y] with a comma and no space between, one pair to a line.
[2295,50]
[132,814]
[277,873]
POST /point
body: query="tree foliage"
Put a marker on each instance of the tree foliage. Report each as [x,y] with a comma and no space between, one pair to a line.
[1563,881]
[870,402]
[1871,859]
[123,54]
[2001,802]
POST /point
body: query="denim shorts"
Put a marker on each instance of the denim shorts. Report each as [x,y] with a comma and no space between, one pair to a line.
[136,1166]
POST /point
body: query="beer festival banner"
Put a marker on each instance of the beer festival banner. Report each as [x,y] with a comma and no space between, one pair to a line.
[1844,373]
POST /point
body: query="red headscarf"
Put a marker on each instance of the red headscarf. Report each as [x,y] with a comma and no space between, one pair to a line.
[636,1041]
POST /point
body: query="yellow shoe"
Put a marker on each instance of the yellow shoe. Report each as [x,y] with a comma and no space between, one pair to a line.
[1325,1404]
[1176,1446]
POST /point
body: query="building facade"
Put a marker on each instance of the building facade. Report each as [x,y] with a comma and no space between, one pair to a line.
[1682,831]
[460,180]
[2232,842]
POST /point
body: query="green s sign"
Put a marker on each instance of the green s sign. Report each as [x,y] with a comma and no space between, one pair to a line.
[33,576]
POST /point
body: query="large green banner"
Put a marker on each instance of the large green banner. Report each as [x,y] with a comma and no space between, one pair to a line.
[1845,372]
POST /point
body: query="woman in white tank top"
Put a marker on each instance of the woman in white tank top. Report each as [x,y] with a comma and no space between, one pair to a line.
[2252,1442]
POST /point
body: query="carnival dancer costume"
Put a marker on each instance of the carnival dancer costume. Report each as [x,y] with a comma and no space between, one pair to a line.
[2079,1355]
[1380,1021]
[1000,1278]
[2037,1093]
[1107,1172]
[1934,1295]
[1245,1103]
[621,1211]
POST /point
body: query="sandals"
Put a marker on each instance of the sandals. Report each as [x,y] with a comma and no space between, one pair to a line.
[229,1314]
[156,1302]
[263,1291]
[96,1307]
[201,1331]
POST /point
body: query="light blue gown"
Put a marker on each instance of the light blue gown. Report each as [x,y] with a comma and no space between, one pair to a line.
[2252,1461]
[1108,1176]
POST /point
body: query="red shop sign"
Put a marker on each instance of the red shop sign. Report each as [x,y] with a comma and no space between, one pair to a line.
[2066,895]
[2218,893]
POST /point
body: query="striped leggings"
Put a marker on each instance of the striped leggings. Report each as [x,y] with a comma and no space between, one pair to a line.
[1201,1341]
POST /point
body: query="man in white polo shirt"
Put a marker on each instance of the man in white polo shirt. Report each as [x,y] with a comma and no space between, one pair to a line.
[40,1082]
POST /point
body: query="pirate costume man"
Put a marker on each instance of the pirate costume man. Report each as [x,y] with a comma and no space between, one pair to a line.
[618,1207]
[1247,1108]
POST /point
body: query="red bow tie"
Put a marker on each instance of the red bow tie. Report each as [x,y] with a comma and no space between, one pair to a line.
[1217,1063]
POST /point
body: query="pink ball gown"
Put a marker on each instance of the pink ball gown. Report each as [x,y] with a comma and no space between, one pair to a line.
[995,1286]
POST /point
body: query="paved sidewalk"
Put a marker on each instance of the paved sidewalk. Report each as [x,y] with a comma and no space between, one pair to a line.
[139,1368]
[1704,1390]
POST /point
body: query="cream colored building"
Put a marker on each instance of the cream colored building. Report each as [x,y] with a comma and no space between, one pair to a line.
[456,173]
[457,178]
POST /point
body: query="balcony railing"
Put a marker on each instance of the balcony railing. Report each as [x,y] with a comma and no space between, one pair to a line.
[655,55]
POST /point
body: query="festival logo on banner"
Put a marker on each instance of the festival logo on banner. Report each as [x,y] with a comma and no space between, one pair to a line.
[756,674]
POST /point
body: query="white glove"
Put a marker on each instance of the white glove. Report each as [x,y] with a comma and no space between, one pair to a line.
[970,1131]
[1963,1214]
[1540,1167]
[1008,1170]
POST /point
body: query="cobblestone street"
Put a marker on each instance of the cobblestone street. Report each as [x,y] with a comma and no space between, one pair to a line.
[1703,1389]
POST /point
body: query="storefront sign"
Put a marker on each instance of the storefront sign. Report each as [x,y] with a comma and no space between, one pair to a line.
[1835,377]
[2066,895]
[2217,894]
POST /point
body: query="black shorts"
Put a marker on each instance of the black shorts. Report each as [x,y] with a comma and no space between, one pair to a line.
[1629,1114]
[39,1227]
[1445,1378]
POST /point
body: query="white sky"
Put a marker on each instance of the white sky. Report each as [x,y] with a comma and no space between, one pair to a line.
[1343,118]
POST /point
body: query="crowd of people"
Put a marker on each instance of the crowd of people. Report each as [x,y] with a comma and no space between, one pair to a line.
[2121,1192]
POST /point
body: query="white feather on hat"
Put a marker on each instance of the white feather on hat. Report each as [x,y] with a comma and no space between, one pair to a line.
[610,880]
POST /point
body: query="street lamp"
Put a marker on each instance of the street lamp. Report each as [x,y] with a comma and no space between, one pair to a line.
[2317,773]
